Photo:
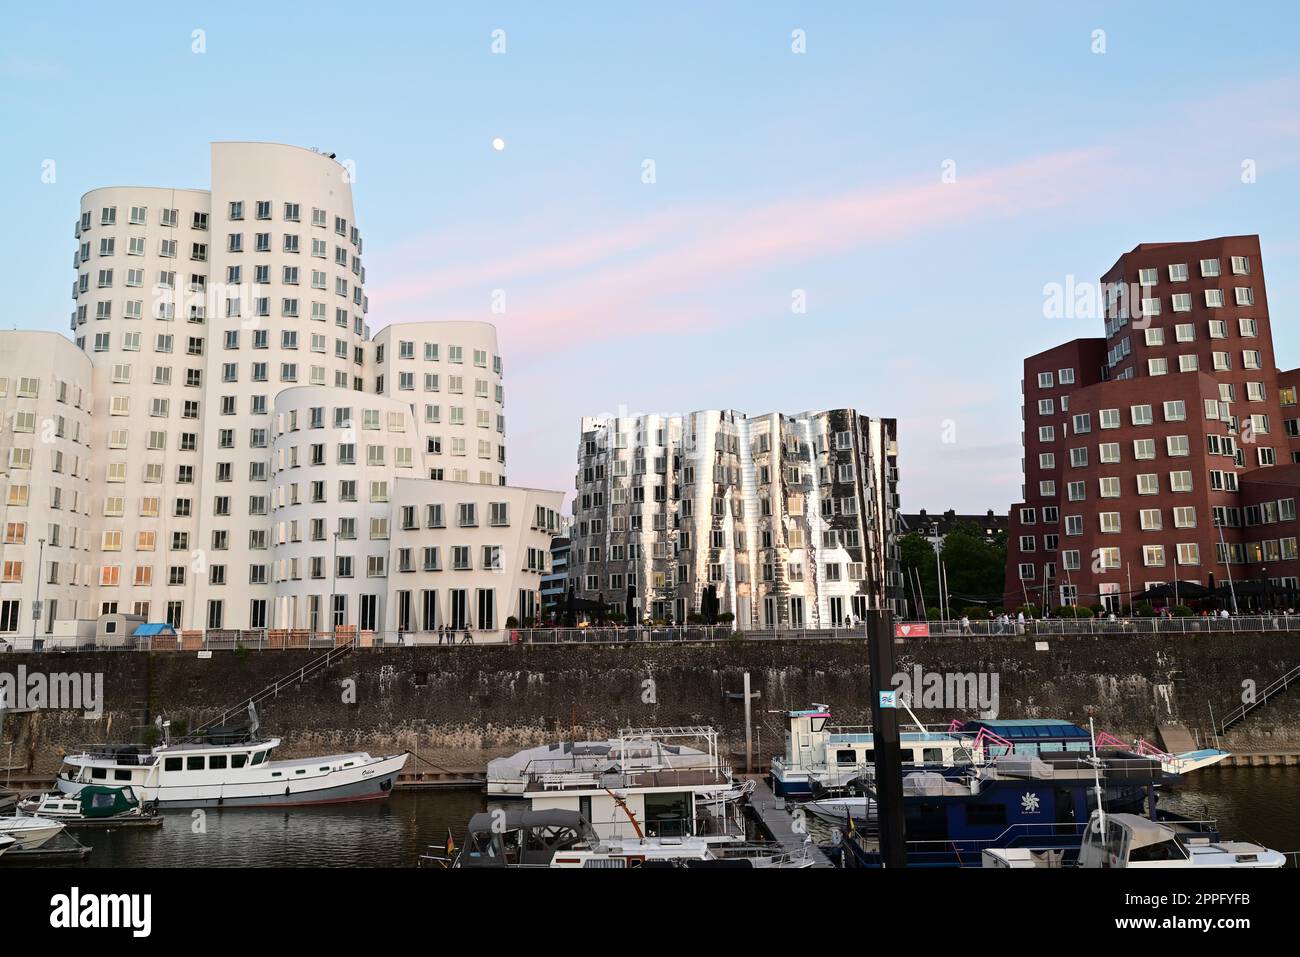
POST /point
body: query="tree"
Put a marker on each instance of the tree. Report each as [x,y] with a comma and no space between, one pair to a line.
[975,568]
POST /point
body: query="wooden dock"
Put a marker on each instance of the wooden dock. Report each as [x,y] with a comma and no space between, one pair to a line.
[440,778]
[780,824]
[63,847]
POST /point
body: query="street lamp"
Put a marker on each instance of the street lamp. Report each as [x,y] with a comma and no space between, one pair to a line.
[938,571]
[36,607]
[334,573]
[1227,562]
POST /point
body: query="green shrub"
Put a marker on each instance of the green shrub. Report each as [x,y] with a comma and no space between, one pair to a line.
[1180,611]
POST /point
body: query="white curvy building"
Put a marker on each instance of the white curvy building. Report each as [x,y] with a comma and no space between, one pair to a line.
[789,520]
[227,448]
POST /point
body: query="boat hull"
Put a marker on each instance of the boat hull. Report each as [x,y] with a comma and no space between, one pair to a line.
[29,833]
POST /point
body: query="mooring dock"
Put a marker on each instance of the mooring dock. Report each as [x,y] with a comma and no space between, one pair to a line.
[780,824]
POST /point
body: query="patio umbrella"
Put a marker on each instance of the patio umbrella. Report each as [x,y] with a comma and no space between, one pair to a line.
[1165,591]
[629,606]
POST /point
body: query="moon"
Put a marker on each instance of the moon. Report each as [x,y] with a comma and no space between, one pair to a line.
[498,144]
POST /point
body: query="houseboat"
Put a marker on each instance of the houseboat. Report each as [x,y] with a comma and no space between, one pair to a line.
[1032,736]
[624,799]
[518,837]
[1041,803]
[820,757]
[506,777]
[229,769]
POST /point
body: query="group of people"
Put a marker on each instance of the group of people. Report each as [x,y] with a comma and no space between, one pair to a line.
[447,635]
[1006,624]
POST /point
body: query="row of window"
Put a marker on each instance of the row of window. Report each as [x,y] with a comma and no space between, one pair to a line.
[291,213]
[1178,272]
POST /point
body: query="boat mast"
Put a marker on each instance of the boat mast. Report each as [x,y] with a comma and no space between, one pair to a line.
[1096,774]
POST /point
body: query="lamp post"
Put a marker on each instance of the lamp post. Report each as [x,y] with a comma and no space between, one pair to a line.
[1227,563]
[36,607]
[334,572]
[938,573]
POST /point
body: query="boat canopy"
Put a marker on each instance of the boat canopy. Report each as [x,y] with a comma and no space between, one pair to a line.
[1028,729]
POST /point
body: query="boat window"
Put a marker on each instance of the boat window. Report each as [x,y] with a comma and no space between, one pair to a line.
[908,756]
[99,774]
[217,762]
[986,815]
[846,756]
[121,775]
[325,769]
[348,764]
[194,762]
[933,755]
[171,764]
[1169,850]
[275,774]
[238,760]
[259,757]
[301,771]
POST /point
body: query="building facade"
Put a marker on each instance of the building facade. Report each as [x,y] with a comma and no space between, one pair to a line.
[792,520]
[1162,451]
[237,451]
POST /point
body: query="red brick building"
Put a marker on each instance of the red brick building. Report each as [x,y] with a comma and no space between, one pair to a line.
[1164,451]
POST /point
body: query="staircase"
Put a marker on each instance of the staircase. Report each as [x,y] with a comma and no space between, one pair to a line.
[1238,714]
[327,660]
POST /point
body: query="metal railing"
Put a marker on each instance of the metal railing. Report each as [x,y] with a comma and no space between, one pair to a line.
[1239,713]
[275,640]
[1047,627]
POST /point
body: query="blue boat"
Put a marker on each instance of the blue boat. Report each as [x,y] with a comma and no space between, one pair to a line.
[1015,801]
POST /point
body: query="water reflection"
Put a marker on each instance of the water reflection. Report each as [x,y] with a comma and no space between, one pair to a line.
[1255,804]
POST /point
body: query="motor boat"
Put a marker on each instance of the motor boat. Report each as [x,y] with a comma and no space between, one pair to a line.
[30,833]
[229,767]
[1134,841]
[91,803]
[6,843]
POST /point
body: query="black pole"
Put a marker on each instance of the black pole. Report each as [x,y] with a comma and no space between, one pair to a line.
[885,741]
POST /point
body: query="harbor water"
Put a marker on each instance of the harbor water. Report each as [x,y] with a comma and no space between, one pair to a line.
[1253,804]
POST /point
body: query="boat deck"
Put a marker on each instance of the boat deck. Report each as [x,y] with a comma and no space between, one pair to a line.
[596,781]
[780,823]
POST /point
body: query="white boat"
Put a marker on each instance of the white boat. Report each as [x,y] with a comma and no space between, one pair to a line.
[1133,841]
[506,777]
[29,832]
[519,837]
[6,842]
[628,799]
[230,770]
[91,803]
[820,757]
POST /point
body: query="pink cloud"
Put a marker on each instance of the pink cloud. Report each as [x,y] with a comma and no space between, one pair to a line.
[626,280]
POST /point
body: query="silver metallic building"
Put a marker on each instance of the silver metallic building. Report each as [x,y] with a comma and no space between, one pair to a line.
[791,518]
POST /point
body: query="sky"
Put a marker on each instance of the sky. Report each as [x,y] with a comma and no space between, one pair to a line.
[770,207]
